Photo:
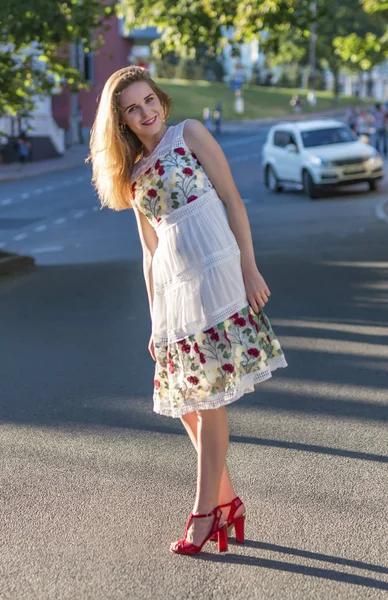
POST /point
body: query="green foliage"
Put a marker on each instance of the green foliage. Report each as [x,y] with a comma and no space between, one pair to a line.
[376,7]
[34,46]
[366,46]
[347,29]
[186,24]
[203,66]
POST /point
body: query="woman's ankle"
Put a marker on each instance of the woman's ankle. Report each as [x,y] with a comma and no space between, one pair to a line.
[226,497]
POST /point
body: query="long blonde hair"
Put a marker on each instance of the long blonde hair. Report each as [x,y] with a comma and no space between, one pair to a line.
[114,149]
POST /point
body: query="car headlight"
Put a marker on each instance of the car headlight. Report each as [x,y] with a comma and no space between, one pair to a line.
[326,163]
[320,162]
[375,160]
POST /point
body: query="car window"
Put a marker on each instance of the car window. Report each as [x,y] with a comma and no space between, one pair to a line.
[283,138]
[331,135]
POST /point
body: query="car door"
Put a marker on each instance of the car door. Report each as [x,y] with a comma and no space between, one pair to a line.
[292,158]
[279,153]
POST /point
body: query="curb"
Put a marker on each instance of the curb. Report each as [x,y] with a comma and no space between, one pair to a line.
[48,168]
[12,263]
[45,172]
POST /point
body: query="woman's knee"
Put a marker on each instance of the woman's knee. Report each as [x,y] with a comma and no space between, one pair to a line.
[211,414]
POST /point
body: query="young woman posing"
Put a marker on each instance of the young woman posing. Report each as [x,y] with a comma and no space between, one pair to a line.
[210,338]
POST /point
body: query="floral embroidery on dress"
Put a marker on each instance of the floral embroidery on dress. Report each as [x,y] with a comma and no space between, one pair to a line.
[171,182]
[215,366]
[214,361]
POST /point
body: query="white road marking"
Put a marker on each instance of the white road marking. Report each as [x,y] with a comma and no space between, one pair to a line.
[25,195]
[79,214]
[60,221]
[6,201]
[20,236]
[40,228]
[37,191]
[47,249]
[381,213]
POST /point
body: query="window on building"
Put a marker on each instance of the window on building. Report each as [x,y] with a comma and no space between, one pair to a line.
[89,67]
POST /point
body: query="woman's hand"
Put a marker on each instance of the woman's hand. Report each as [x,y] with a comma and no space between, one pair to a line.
[256,289]
[151,348]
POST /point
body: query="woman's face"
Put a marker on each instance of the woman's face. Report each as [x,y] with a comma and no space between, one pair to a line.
[141,109]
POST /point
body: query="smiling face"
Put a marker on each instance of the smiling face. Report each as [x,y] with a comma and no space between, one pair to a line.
[141,109]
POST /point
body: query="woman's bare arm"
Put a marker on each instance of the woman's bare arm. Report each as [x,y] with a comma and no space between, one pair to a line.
[149,242]
[213,160]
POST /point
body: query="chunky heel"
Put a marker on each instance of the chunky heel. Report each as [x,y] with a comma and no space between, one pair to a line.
[223,539]
[239,529]
[237,522]
[219,532]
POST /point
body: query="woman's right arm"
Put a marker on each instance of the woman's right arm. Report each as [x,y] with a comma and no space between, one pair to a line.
[149,243]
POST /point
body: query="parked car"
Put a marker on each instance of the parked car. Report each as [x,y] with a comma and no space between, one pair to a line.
[318,154]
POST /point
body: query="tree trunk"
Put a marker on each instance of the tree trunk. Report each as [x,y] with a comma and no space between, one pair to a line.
[336,87]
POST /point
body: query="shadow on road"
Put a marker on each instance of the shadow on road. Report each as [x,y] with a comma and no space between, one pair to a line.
[277,565]
[74,345]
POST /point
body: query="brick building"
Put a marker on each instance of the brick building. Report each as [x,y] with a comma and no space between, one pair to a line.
[75,112]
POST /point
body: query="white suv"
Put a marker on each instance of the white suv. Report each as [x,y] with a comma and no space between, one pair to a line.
[318,154]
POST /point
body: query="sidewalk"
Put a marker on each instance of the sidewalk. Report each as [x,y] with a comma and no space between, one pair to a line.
[74,157]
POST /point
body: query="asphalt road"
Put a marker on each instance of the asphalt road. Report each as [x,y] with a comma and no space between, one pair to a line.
[94,486]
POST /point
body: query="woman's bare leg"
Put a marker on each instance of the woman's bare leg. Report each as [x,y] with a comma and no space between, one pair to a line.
[212,445]
[227,492]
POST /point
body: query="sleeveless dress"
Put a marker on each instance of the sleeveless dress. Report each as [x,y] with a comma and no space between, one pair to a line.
[210,347]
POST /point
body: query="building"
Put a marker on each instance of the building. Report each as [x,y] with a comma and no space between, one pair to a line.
[75,112]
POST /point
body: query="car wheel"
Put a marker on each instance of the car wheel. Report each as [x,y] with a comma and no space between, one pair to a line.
[373,185]
[309,186]
[271,179]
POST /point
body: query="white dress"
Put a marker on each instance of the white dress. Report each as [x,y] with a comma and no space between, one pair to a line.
[209,344]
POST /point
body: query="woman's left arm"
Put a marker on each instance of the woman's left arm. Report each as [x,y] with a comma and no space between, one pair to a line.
[213,160]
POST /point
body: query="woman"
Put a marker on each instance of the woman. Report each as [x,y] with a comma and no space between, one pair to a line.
[210,338]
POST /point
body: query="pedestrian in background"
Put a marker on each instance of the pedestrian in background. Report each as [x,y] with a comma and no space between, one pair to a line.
[296,104]
[217,117]
[364,126]
[351,116]
[210,339]
[380,124]
[207,118]
[23,149]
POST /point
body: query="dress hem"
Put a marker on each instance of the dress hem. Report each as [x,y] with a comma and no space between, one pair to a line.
[245,385]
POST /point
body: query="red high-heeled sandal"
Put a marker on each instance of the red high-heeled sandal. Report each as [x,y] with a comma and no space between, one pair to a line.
[217,532]
[236,522]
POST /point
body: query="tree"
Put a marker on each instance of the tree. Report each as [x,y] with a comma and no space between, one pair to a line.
[34,47]
[188,24]
[368,48]
[289,41]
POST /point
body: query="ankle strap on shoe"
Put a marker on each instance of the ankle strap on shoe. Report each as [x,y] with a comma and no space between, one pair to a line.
[213,513]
